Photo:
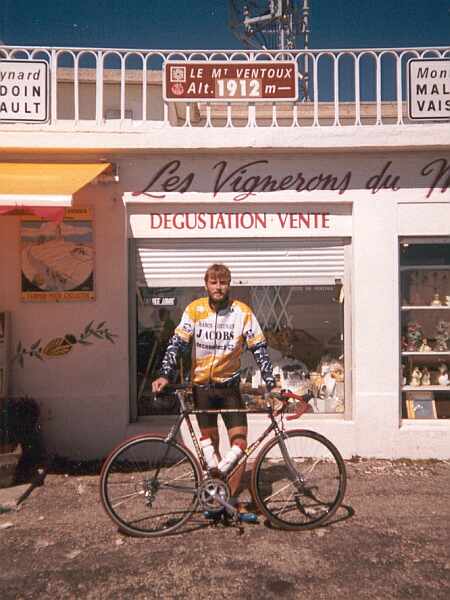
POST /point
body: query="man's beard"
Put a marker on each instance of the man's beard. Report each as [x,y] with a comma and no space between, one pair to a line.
[222,303]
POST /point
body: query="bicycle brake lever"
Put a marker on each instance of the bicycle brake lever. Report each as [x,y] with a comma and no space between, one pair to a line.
[301,409]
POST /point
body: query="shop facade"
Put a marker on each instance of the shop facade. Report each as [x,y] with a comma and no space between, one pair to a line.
[326,271]
[338,238]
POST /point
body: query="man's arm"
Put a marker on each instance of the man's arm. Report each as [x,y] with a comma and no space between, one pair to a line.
[169,361]
[264,363]
[256,343]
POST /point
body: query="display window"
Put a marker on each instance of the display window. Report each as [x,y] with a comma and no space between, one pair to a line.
[425,328]
[303,326]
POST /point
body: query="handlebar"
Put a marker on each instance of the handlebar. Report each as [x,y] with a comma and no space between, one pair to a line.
[284,396]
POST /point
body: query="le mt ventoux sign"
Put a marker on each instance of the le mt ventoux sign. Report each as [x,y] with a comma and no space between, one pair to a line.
[24,91]
[429,89]
[230,81]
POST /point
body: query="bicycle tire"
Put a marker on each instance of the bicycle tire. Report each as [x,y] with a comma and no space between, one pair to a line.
[138,502]
[307,499]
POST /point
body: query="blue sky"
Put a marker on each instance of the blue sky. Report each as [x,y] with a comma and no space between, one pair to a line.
[202,24]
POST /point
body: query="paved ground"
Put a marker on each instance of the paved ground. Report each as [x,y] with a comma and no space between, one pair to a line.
[391,541]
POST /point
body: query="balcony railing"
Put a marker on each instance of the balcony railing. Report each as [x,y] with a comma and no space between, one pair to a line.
[118,89]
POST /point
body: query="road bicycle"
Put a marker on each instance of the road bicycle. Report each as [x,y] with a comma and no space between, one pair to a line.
[151,485]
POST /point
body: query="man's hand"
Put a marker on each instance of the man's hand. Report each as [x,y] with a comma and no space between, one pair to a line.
[159,384]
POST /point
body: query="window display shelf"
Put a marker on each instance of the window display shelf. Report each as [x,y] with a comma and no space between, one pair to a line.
[426,388]
[410,307]
[425,353]
[425,268]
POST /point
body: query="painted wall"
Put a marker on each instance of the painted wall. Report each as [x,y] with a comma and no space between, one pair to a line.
[84,395]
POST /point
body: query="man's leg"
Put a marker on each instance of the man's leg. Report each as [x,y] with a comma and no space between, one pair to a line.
[207,422]
[213,433]
[237,435]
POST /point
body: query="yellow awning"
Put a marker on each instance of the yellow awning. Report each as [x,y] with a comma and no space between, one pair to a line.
[44,184]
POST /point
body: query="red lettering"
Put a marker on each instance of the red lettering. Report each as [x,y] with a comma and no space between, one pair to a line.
[175,221]
[306,219]
[282,219]
[261,219]
[155,221]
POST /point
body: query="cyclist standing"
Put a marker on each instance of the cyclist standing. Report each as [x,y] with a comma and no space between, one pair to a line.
[220,329]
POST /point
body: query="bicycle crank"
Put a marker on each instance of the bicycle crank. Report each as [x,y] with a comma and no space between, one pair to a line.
[213,494]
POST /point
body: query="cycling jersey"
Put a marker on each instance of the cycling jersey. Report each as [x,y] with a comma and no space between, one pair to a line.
[218,340]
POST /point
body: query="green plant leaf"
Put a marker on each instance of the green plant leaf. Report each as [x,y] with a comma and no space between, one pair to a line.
[88,327]
[97,335]
[35,345]
[100,325]
[70,338]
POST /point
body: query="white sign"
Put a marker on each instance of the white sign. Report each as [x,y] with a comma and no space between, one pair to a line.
[314,223]
[24,91]
[429,88]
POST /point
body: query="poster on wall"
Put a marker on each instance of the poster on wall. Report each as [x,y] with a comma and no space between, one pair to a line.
[3,353]
[58,258]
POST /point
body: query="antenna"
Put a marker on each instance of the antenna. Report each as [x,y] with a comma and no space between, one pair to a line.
[274,24]
[271,24]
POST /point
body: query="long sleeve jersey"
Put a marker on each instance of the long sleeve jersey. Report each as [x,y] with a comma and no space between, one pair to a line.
[218,340]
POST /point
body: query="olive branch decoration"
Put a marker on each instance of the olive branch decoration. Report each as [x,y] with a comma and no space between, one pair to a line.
[63,345]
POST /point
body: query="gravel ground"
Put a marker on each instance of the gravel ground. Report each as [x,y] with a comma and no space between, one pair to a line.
[391,540]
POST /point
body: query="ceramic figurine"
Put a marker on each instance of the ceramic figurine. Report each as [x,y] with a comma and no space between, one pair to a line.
[416,377]
[426,377]
[436,300]
[443,378]
[442,336]
[403,376]
[414,336]
[424,346]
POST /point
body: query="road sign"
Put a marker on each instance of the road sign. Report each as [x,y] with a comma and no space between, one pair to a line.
[429,89]
[24,91]
[230,81]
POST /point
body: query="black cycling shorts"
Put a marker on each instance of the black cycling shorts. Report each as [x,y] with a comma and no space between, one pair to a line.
[214,398]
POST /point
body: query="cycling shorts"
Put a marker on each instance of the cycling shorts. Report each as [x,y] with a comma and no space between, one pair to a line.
[219,398]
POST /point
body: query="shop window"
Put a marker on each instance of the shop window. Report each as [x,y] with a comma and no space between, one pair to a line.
[425,329]
[303,325]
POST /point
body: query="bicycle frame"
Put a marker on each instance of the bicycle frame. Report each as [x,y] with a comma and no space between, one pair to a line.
[186,413]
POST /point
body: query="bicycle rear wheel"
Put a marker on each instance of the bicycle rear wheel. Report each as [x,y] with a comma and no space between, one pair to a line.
[301,486]
[149,486]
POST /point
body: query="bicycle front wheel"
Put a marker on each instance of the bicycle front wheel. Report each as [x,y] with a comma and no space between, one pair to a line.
[298,483]
[149,486]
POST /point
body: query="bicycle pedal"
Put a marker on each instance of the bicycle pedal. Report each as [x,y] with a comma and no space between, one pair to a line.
[213,515]
[248,518]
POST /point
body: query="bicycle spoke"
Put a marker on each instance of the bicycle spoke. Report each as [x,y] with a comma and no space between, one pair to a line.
[303,486]
[157,486]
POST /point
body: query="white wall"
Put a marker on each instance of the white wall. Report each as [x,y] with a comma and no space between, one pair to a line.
[84,395]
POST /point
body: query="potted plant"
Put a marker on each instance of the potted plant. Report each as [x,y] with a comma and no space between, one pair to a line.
[19,436]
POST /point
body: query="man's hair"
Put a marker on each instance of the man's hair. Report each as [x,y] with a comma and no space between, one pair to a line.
[219,271]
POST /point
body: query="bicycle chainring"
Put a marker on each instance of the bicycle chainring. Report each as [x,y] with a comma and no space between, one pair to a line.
[209,490]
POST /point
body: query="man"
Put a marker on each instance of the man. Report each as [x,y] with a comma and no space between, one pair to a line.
[220,329]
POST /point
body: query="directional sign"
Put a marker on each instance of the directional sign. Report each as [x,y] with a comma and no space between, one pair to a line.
[230,81]
[429,89]
[24,91]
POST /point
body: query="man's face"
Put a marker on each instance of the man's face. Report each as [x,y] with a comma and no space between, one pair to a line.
[218,289]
